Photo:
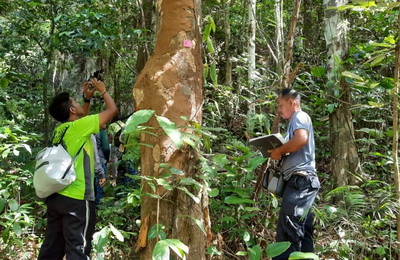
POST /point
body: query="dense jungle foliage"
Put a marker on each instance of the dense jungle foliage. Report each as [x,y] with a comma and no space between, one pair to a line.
[51,45]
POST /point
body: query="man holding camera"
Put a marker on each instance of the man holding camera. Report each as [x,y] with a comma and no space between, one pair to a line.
[71,212]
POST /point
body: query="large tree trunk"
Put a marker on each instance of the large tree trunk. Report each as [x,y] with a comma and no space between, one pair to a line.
[345,160]
[171,84]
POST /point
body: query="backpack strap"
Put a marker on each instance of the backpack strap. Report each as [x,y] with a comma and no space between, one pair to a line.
[62,135]
[73,160]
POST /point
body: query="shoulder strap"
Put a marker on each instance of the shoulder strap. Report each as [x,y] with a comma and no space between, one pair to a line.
[62,135]
[73,160]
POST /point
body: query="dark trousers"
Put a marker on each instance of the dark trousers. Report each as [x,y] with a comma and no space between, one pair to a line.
[70,228]
[295,223]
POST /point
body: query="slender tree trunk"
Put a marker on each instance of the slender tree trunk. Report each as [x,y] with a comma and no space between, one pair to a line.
[171,84]
[47,79]
[396,131]
[285,61]
[279,36]
[227,29]
[146,17]
[345,160]
[288,74]
[252,42]
[308,23]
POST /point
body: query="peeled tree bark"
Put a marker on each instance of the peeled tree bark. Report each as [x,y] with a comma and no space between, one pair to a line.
[171,85]
[345,160]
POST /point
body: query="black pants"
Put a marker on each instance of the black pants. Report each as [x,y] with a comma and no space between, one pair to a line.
[70,228]
[295,223]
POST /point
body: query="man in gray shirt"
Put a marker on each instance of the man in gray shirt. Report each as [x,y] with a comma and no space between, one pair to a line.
[295,223]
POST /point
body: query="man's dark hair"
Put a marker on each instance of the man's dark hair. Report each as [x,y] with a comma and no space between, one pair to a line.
[59,107]
[290,93]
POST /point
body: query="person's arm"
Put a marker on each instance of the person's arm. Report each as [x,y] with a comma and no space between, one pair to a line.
[299,139]
[87,96]
[111,109]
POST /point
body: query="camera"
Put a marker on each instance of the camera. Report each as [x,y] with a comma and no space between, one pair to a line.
[96,75]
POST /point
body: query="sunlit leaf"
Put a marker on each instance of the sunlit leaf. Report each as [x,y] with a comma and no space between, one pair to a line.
[255,253]
[161,251]
[276,249]
[352,75]
[220,159]
[301,255]
[213,193]
[13,204]
[116,233]
[237,200]
[171,130]
[318,71]
[139,117]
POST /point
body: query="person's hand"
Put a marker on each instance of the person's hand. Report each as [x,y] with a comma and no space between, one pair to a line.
[99,86]
[102,182]
[87,90]
[275,154]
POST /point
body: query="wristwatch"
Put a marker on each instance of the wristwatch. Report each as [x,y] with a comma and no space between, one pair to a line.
[85,99]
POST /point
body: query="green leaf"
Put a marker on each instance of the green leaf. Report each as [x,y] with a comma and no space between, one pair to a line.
[171,130]
[352,75]
[237,200]
[241,253]
[212,250]
[164,184]
[318,71]
[390,39]
[139,117]
[101,238]
[196,199]
[210,46]
[221,160]
[155,231]
[301,255]
[381,251]
[255,162]
[387,83]
[206,33]
[255,252]
[13,204]
[213,73]
[116,233]
[17,229]
[178,247]
[190,182]
[197,221]
[374,104]
[276,249]
[246,236]
[377,59]
[161,251]
[212,193]
[2,204]
[4,83]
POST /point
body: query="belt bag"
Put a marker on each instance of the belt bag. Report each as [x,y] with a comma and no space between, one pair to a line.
[273,182]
